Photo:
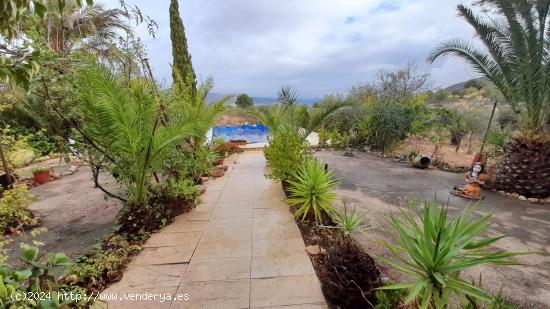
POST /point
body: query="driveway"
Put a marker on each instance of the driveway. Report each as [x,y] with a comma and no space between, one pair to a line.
[380,186]
[76,214]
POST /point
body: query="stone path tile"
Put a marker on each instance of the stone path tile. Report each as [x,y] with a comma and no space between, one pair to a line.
[240,248]
[282,291]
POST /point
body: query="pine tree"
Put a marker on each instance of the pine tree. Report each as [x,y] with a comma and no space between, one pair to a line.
[184,79]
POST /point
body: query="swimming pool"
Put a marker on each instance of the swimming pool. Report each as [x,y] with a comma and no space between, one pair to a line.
[251,133]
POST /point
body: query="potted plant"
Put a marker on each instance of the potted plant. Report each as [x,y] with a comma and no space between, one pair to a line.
[41,174]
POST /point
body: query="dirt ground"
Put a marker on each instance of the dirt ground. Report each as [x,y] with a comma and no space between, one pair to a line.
[380,186]
[447,152]
[75,213]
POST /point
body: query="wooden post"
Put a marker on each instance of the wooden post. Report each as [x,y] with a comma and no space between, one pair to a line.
[488,128]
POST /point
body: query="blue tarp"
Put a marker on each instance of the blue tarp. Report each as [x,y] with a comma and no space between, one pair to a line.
[251,133]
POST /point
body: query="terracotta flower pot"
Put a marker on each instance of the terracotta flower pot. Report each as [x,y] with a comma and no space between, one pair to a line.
[42,177]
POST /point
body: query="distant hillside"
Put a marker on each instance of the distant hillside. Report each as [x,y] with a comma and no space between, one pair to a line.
[476,83]
[257,100]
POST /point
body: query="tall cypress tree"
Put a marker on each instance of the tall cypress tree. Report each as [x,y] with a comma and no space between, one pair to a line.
[184,79]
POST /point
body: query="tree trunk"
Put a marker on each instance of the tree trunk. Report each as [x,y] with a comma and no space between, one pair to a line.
[5,165]
[470,143]
[526,168]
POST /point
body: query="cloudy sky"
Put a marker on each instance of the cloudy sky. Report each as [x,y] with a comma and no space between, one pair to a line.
[317,46]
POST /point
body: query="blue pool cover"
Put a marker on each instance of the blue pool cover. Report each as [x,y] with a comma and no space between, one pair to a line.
[251,133]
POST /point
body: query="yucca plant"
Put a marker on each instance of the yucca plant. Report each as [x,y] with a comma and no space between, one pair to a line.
[311,189]
[350,275]
[515,57]
[434,249]
[350,222]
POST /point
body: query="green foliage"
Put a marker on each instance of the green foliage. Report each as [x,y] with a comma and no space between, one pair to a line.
[38,169]
[14,210]
[182,189]
[244,101]
[286,151]
[311,189]
[514,56]
[301,118]
[389,299]
[333,139]
[386,125]
[38,275]
[95,269]
[451,120]
[498,140]
[439,96]
[350,222]
[125,124]
[194,164]
[183,75]
[440,248]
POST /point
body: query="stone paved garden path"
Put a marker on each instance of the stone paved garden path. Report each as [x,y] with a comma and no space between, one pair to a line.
[240,248]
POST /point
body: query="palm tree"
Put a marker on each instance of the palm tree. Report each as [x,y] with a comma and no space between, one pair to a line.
[515,36]
[298,116]
[194,106]
[68,25]
[125,125]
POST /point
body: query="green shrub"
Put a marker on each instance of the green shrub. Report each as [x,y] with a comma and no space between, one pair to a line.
[311,190]
[438,250]
[324,137]
[36,276]
[13,209]
[286,151]
[102,264]
[195,164]
[389,299]
[498,140]
[182,189]
[386,125]
[43,143]
[350,222]
[244,101]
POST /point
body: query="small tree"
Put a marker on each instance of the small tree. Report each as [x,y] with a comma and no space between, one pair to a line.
[244,101]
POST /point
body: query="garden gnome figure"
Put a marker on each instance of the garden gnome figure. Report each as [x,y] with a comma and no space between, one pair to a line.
[475,177]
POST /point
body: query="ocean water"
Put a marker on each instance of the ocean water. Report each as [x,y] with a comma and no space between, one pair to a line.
[250,133]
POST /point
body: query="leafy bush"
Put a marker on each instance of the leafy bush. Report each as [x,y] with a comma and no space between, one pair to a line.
[182,189]
[497,140]
[311,189]
[43,143]
[196,163]
[13,209]
[24,144]
[102,264]
[333,139]
[286,151]
[244,101]
[37,276]
[440,249]
[386,125]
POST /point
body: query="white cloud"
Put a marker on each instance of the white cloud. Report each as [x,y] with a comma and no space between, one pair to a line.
[319,46]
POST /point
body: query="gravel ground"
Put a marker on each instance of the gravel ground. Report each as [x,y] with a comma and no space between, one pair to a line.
[380,186]
[75,213]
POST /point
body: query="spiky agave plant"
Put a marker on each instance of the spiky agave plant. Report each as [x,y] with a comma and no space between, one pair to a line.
[516,59]
[434,249]
[312,190]
[350,222]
